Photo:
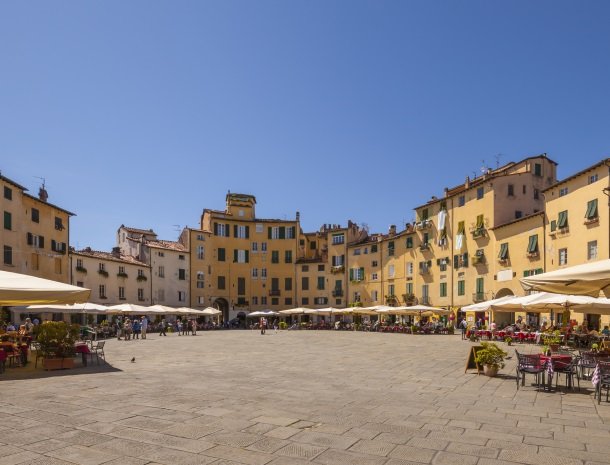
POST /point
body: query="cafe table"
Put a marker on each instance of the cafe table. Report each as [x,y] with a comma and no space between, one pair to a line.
[82,349]
[554,359]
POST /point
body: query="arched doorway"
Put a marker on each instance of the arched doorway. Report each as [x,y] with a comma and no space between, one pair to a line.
[504,318]
[222,305]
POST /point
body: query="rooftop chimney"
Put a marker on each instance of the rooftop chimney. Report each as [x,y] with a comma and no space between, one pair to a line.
[116,251]
[298,216]
[392,230]
[467,183]
[43,194]
[446,192]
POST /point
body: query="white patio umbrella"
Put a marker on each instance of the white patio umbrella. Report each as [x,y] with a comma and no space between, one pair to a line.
[20,289]
[163,309]
[294,311]
[519,304]
[130,309]
[419,309]
[601,306]
[209,311]
[261,313]
[486,306]
[87,307]
[586,279]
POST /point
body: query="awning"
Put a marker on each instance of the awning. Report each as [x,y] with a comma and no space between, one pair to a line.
[21,289]
[587,279]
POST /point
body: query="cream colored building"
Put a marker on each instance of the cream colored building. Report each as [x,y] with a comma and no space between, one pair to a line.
[35,233]
[113,277]
[169,262]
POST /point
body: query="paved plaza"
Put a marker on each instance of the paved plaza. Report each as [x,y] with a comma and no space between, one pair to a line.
[294,398]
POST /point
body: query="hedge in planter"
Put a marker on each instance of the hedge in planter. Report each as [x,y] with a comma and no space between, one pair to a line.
[57,339]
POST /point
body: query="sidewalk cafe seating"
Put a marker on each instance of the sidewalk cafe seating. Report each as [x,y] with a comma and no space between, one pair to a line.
[530,364]
[603,379]
[97,349]
[566,367]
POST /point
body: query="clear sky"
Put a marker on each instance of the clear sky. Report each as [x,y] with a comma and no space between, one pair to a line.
[146,112]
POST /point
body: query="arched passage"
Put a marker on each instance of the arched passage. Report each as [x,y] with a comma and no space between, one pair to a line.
[504,318]
[222,305]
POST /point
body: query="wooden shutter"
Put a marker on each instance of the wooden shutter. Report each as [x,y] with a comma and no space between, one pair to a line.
[30,238]
[216,229]
[269,232]
[247,232]
[361,273]
[227,230]
[282,232]
[41,242]
[247,256]
[465,260]
[456,261]
[351,274]
[235,231]
[53,245]
[235,254]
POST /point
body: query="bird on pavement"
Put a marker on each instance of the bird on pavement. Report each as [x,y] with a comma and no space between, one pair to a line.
[133,360]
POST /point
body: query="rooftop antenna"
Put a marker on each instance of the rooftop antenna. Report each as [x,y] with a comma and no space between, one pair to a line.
[42,179]
[42,192]
[483,167]
[498,156]
[177,227]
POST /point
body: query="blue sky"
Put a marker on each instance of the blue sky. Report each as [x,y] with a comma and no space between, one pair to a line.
[146,112]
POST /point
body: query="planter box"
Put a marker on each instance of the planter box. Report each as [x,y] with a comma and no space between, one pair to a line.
[57,363]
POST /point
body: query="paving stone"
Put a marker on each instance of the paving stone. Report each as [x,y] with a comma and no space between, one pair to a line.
[190,431]
[375,447]
[470,449]
[147,423]
[81,455]
[428,443]
[269,445]
[341,457]
[229,438]
[239,455]
[279,421]
[260,428]
[282,432]
[536,459]
[83,438]
[43,446]
[19,457]
[299,450]
[324,439]
[448,458]
[46,461]
[413,454]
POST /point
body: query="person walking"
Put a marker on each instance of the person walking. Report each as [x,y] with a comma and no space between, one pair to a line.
[179,326]
[193,327]
[144,326]
[162,328]
[185,326]
[464,327]
[119,328]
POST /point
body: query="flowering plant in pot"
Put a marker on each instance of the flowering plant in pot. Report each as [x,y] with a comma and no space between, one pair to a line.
[491,357]
[56,340]
[508,340]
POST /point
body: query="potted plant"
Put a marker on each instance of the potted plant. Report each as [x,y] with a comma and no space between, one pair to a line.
[553,340]
[508,340]
[56,340]
[594,347]
[491,357]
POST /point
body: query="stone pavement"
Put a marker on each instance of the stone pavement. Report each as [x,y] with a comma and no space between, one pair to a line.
[294,398]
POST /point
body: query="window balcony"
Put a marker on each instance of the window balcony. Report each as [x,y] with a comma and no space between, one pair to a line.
[478,232]
[424,224]
[478,259]
[337,292]
[479,297]
[409,299]
[424,246]
[274,292]
[425,300]
[337,269]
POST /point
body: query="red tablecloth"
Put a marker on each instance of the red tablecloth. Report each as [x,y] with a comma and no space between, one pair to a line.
[82,349]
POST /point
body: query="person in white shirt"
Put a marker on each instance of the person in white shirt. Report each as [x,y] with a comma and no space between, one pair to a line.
[144,326]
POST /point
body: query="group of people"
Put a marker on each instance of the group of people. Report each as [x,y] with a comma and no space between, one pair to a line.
[183,326]
[131,329]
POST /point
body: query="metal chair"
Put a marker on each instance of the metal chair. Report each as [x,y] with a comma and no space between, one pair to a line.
[529,364]
[97,349]
[569,370]
[603,380]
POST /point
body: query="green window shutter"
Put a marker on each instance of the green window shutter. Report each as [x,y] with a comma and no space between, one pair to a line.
[227,230]
[456,261]
[374,248]
[465,260]
[526,273]
[503,251]
[221,254]
[8,221]
[461,228]
[53,245]
[234,255]
[553,225]
[216,229]
[41,242]
[591,209]
[480,221]
[351,274]
[30,238]
[532,246]
[361,273]
[282,232]
[247,232]
[234,230]
[480,284]
[269,233]
[563,219]
[293,230]
[539,271]
[247,256]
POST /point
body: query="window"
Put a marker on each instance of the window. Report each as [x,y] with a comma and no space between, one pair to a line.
[374,276]
[221,254]
[80,283]
[409,242]
[391,271]
[305,301]
[101,266]
[181,274]
[374,263]
[275,256]
[461,287]
[102,291]
[593,178]
[180,257]
[241,232]
[288,284]
[254,300]
[374,248]
[200,279]
[240,213]
[511,190]
[592,250]
[338,238]
[275,301]
[563,191]
[409,289]
[532,245]
[221,282]
[288,256]
[200,252]
[409,268]
[320,286]
[59,225]
[553,225]
[562,221]
[591,213]
[121,293]
[461,227]
[503,255]
[274,232]
[320,301]
[259,228]
[161,272]
[241,256]
[255,247]
[264,300]
[537,169]
[305,268]
[536,194]
[480,193]
[518,214]
[200,237]
[221,229]
[8,255]
[263,273]
[304,283]
[201,300]
[461,200]
[480,288]
[356,296]
[254,273]
[35,215]
[563,256]
[288,301]
[356,251]
[338,260]
[425,239]
[312,245]
[140,294]
[36,241]
[524,189]
[290,233]
[356,274]
[8,221]
[424,214]
[140,273]
[79,263]
[374,296]
[443,290]
[8,193]
[391,289]
[161,295]
[122,270]
[366,250]
[391,248]
[320,267]
[161,254]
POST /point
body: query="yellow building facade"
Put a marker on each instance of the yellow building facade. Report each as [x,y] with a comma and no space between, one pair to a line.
[35,233]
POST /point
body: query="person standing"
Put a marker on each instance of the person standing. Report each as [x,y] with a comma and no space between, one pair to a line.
[119,328]
[179,326]
[162,328]
[185,326]
[464,326]
[136,327]
[193,327]
[144,326]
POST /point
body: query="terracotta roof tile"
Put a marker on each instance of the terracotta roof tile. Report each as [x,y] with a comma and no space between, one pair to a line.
[109,256]
[167,245]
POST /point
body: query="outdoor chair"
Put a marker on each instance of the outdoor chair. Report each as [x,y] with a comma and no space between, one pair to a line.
[529,364]
[97,350]
[587,364]
[603,374]
[567,369]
